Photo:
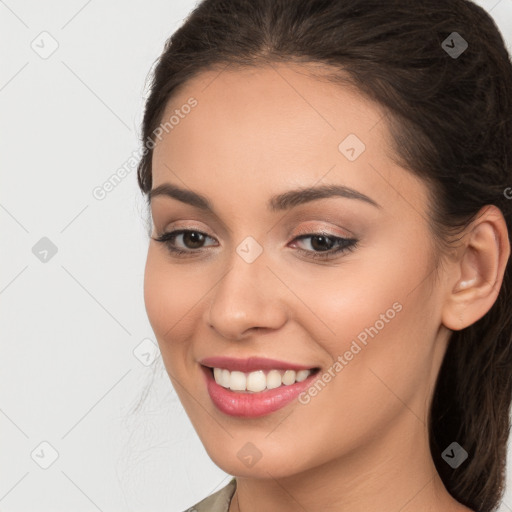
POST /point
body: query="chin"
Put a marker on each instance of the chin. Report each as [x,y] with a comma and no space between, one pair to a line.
[244,459]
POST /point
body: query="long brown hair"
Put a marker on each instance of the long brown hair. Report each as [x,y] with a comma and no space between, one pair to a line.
[451,121]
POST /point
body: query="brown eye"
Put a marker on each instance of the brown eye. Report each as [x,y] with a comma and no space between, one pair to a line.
[191,243]
[193,239]
[326,246]
[321,243]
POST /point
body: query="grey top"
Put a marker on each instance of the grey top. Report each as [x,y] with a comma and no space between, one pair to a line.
[218,501]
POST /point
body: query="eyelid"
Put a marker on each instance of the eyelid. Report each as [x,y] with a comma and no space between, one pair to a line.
[316,229]
[186,226]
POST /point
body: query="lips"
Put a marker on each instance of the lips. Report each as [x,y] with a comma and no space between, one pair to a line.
[254,404]
[251,364]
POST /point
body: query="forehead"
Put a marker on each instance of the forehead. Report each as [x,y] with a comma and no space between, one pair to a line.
[267,128]
[278,102]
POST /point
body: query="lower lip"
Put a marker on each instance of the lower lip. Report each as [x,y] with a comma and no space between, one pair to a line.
[252,405]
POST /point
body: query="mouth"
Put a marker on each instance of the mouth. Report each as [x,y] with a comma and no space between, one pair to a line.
[254,387]
[259,380]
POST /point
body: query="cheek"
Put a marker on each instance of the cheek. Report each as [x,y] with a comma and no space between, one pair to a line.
[379,316]
[170,293]
[367,291]
[345,301]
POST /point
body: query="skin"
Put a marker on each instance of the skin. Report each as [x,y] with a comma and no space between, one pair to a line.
[362,443]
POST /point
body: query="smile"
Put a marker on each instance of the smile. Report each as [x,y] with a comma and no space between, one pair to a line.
[254,387]
[259,380]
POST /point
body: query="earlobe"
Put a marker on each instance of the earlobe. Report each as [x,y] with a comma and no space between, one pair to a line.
[478,271]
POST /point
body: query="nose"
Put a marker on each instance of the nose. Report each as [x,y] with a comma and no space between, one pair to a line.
[247,298]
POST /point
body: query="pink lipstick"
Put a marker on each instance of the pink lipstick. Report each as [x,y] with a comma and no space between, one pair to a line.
[258,373]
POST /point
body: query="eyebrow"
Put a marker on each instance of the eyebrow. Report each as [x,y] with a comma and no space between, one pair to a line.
[280,202]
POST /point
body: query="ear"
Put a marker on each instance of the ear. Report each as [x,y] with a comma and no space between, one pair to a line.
[476,273]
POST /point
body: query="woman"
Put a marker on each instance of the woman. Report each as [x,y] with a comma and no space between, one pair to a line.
[328,275]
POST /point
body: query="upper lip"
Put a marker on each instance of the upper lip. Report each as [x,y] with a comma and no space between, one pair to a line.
[251,364]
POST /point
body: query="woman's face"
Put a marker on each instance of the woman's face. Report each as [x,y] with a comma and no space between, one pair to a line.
[251,285]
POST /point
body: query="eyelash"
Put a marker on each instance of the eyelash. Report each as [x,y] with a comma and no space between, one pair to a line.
[344,244]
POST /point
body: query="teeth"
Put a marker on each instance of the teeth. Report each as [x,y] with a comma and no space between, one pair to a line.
[258,380]
[289,377]
[302,375]
[273,379]
[237,381]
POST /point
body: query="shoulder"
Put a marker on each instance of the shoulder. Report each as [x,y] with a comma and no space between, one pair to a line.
[218,501]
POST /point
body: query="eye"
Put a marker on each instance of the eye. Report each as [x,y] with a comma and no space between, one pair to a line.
[192,239]
[324,245]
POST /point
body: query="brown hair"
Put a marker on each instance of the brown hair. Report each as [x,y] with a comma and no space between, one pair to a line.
[451,122]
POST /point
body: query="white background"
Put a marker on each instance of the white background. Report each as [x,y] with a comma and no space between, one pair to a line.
[70,325]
